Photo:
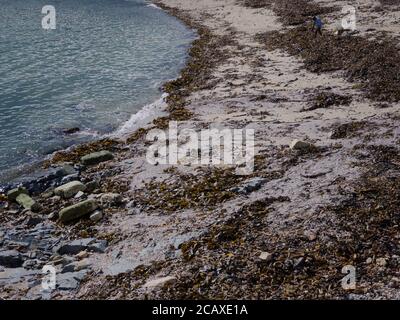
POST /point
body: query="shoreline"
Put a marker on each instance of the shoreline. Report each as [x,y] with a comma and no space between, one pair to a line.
[26,174]
[294,223]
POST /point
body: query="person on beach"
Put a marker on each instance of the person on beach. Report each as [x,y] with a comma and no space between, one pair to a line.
[317,25]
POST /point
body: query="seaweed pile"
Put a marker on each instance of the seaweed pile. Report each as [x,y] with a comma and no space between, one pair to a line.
[74,155]
[291,12]
[241,259]
[204,189]
[347,130]
[374,64]
[324,100]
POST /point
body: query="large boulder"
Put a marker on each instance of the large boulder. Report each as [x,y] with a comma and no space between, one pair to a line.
[14,193]
[78,210]
[96,157]
[70,189]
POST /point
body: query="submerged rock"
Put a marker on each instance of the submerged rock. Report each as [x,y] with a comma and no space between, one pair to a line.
[70,189]
[96,157]
[78,210]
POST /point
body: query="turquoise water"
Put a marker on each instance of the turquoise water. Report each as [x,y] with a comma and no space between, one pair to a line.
[105,60]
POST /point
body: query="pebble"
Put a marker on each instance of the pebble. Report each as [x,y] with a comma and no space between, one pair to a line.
[381,262]
[266,256]
[96,216]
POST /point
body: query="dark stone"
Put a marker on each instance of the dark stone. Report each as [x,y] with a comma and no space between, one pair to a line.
[11,259]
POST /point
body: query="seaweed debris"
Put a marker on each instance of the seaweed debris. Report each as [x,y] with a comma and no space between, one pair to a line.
[77,152]
[324,100]
[204,189]
[291,12]
[373,64]
[347,130]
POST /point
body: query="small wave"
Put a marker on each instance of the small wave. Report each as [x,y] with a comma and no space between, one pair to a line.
[152,5]
[147,114]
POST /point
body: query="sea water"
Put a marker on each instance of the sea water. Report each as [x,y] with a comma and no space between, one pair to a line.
[104,61]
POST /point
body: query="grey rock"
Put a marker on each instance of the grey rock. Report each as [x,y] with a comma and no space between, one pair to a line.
[250,186]
[300,145]
[11,259]
[69,178]
[70,189]
[77,266]
[92,185]
[14,193]
[78,210]
[96,157]
[70,280]
[79,195]
[27,202]
[89,244]
[96,216]
[67,170]
[110,199]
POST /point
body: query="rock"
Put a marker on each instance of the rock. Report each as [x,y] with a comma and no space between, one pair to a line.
[77,266]
[110,199]
[381,262]
[98,246]
[96,216]
[82,255]
[250,186]
[70,189]
[52,216]
[311,236]
[300,145]
[70,280]
[92,185]
[70,178]
[71,130]
[48,193]
[79,195]
[159,282]
[266,256]
[78,210]
[369,260]
[33,221]
[27,202]
[96,157]
[31,264]
[66,170]
[11,259]
[76,246]
[14,193]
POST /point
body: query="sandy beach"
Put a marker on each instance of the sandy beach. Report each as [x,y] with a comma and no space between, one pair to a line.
[287,229]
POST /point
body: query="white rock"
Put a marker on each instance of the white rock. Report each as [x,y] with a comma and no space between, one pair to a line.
[266,256]
[158,282]
[381,262]
[96,216]
[80,194]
